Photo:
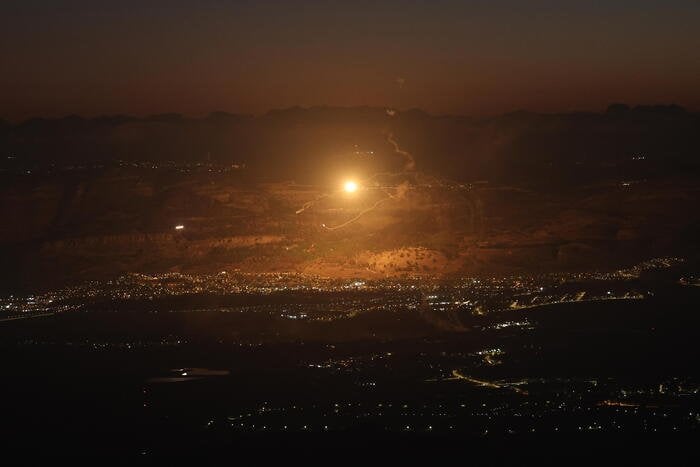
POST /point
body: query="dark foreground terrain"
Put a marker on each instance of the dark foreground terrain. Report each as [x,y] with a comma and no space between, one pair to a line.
[470,367]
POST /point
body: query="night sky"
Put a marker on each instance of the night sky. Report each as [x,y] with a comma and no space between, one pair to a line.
[469,57]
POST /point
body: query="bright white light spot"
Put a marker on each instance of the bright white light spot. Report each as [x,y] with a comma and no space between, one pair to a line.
[350,186]
[179,227]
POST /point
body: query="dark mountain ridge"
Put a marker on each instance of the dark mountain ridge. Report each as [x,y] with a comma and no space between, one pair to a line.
[299,142]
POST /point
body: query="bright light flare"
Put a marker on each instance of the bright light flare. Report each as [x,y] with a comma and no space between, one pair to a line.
[179,227]
[350,186]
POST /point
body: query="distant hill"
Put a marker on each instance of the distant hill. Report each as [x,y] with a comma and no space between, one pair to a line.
[99,197]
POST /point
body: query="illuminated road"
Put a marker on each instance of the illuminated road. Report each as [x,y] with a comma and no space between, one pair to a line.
[457,375]
[27,316]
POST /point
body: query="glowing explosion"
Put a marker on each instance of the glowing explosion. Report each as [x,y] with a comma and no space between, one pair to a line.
[350,186]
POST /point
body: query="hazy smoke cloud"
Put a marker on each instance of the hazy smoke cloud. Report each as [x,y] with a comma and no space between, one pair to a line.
[410,163]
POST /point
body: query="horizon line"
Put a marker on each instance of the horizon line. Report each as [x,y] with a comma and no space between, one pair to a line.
[194,117]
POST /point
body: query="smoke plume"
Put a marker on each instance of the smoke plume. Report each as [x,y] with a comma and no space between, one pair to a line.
[410,163]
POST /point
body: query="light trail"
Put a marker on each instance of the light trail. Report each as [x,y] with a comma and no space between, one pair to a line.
[310,204]
[362,213]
